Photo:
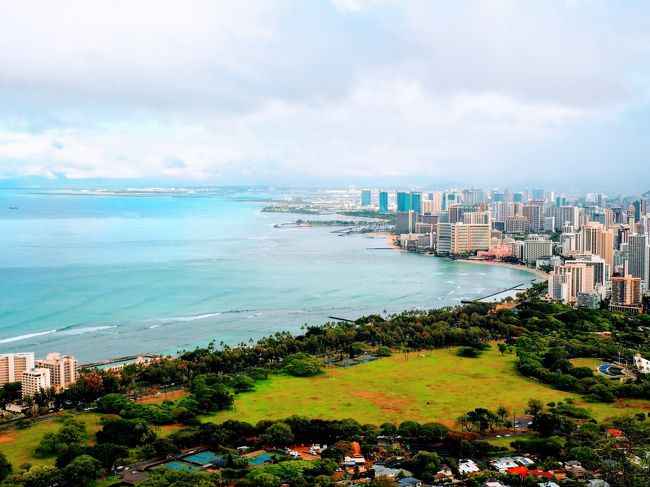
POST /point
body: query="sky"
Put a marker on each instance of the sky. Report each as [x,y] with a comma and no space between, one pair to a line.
[498,93]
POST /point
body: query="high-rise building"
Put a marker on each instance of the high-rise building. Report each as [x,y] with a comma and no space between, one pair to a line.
[517,197]
[581,281]
[538,194]
[566,214]
[403,201]
[534,213]
[416,202]
[536,247]
[405,221]
[63,370]
[517,224]
[458,238]
[12,366]
[383,201]
[594,239]
[638,258]
[366,197]
[33,381]
[559,287]
[626,294]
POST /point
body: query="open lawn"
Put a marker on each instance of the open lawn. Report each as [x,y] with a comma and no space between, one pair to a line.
[437,386]
[19,445]
[592,363]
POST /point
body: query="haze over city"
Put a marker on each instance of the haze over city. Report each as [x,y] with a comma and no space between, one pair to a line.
[495,94]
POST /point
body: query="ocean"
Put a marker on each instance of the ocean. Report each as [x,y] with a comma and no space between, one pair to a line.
[102,274]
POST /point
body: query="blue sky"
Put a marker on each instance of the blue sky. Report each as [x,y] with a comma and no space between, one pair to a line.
[550,93]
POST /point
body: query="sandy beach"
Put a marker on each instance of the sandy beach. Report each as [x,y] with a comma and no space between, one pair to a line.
[391,242]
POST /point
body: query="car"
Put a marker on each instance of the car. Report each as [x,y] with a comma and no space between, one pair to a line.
[498,436]
[507,435]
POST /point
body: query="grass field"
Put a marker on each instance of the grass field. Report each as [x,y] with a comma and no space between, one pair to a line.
[437,386]
[19,445]
[592,363]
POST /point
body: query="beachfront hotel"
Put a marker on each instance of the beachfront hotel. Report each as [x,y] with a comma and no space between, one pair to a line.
[34,381]
[63,370]
[12,366]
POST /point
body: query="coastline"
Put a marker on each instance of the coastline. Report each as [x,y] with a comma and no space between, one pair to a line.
[541,274]
[391,241]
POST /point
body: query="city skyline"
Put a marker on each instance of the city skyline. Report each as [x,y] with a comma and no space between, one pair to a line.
[341,92]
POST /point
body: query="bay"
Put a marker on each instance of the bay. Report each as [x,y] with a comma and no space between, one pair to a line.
[101,275]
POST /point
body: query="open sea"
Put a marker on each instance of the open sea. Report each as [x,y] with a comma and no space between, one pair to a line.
[101,274]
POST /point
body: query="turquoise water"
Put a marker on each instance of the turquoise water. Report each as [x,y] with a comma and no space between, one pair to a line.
[107,276]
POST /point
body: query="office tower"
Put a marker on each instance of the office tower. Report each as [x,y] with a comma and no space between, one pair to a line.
[12,366]
[63,370]
[403,201]
[416,202]
[640,209]
[455,213]
[405,221]
[383,201]
[458,238]
[366,197]
[33,381]
[594,239]
[538,195]
[498,197]
[638,258]
[560,201]
[518,197]
[536,247]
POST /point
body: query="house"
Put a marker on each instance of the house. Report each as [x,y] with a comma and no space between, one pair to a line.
[444,473]
[493,483]
[352,461]
[596,483]
[525,472]
[616,433]
[526,462]
[548,484]
[389,472]
[409,482]
[503,464]
[467,466]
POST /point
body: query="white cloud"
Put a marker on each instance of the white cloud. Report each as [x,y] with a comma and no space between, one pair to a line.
[243,91]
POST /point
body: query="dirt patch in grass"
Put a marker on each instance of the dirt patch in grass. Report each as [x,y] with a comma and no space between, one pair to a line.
[164,396]
[8,436]
[386,404]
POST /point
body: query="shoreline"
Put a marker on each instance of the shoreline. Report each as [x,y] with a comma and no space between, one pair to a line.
[541,274]
[391,242]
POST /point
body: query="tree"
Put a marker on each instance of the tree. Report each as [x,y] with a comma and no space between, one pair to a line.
[167,477]
[502,412]
[302,365]
[81,470]
[535,406]
[5,466]
[163,447]
[503,348]
[278,434]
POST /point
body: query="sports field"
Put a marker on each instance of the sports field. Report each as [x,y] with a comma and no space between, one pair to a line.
[437,386]
[18,445]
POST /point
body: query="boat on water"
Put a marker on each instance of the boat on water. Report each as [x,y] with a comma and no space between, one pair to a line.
[13,207]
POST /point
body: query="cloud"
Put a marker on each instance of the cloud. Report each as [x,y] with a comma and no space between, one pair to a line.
[254,92]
